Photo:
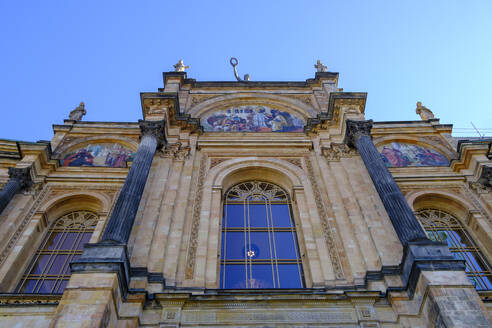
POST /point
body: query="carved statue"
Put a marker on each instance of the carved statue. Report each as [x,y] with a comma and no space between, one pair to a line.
[424,112]
[320,67]
[180,66]
[78,112]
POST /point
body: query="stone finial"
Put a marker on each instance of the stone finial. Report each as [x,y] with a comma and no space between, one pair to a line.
[320,67]
[21,175]
[78,112]
[356,129]
[180,66]
[155,129]
[424,112]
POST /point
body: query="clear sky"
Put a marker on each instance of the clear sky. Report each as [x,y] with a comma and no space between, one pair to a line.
[55,54]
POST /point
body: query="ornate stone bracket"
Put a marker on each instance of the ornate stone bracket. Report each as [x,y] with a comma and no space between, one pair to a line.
[337,151]
[175,151]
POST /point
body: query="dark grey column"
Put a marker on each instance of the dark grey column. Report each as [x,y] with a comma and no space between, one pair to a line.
[121,221]
[20,178]
[404,221]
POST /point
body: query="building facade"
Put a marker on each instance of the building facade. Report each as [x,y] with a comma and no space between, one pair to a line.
[247,204]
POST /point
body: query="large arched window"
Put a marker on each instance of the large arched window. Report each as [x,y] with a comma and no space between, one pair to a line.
[259,241]
[444,227]
[49,271]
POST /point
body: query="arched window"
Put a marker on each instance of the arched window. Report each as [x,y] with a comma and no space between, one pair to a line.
[444,227]
[259,241]
[49,271]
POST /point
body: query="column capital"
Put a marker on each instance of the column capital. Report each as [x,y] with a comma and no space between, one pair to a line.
[155,129]
[356,129]
[21,175]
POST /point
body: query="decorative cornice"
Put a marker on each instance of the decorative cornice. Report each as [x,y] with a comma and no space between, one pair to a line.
[155,129]
[337,151]
[356,129]
[486,176]
[21,175]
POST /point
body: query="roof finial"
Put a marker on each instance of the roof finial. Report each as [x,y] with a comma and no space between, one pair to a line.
[320,67]
[180,67]
[234,63]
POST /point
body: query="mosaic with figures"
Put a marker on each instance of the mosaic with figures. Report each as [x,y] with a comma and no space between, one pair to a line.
[252,119]
[398,154]
[101,154]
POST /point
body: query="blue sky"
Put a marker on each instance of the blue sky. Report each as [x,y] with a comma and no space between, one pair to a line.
[55,54]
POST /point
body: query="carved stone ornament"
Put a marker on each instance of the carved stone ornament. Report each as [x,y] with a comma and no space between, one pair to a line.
[424,112]
[486,176]
[337,151]
[155,129]
[356,129]
[78,112]
[175,151]
[21,175]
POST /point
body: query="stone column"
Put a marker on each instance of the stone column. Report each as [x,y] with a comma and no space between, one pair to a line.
[404,221]
[121,221]
[20,178]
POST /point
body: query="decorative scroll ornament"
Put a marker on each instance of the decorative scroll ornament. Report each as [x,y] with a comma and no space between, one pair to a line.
[337,151]
[356,129]
[175,151]
[155,129]
[234,63]
[21,175]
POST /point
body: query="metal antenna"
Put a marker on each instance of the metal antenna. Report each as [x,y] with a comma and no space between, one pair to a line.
[234,63]
[481,135]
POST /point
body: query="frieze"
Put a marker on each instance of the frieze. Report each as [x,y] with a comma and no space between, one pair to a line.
[337,151]
[195,220]
[34,300]
[306,99]
[327,229]
[175,151]
[156,106]
[196,99]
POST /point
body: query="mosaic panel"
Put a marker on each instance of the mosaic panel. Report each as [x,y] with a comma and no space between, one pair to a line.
[398,154]
[101,154]
[252,119]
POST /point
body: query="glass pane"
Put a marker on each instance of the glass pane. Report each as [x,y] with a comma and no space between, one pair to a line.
[86,236]
[285,245]
[289,276]
[258,215]
[61,286]
[281,215]
[28,286]
[234,215]
[234,245]
[40,264]
[233,276]
[53,241]
[69,240]
[260,246]
[262,276]
[56,266]
[46,287]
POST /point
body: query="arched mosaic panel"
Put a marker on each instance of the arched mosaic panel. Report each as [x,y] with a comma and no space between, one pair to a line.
[398,154]
[252,119]
[99,154]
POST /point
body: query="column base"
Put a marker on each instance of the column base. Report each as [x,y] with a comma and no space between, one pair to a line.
[105,258]
[426,255]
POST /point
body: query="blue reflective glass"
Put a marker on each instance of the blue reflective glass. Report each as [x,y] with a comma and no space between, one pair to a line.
[289,276]
[258,215]
[281,215]
[285,245]
[260,246]
[234,245]
[235,276]
[262,276]
[234,216]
